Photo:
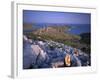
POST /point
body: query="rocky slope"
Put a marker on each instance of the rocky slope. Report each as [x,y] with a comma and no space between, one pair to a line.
[50,54]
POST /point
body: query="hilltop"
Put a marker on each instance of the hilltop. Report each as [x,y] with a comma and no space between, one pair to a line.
[55,33]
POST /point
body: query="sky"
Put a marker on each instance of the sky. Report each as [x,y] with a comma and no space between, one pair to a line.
[30,16]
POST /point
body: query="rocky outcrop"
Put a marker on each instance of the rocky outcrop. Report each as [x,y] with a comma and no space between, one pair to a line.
[32,54]
[51,54]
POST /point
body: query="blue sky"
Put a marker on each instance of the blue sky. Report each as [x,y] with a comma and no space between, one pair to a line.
[30,16]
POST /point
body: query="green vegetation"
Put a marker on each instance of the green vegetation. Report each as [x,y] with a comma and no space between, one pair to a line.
[70,43]
[86,39]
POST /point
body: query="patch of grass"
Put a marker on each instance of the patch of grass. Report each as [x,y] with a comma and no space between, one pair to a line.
[70,43]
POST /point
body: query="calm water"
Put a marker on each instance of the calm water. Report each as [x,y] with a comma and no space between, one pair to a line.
[79,28]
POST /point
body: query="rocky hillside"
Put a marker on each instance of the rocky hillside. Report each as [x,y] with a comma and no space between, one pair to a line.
[51,54]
